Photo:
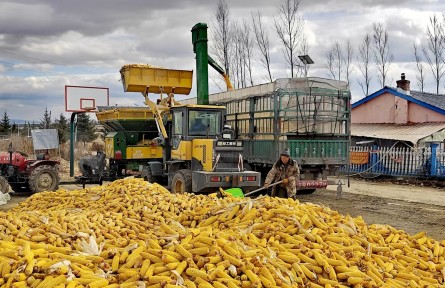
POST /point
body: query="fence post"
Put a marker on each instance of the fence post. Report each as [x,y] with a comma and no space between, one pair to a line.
[433,171]
[374,157]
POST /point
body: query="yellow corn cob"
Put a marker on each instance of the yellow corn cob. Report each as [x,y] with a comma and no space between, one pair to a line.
[98,283]
[147,233]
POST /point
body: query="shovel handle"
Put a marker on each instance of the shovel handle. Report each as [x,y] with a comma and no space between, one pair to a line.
[262,188]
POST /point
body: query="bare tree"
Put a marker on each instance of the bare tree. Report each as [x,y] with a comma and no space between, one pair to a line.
[262,40]
[248,48]
[382,53]
[289,28]
[434,52]
[335,61]
[330,63]
[222,34]
[364,64]
[420,69]
[236,56]
[242,52]
[349,55]
[338,58]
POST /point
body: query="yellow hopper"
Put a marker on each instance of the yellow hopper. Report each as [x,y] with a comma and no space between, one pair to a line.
[149,79]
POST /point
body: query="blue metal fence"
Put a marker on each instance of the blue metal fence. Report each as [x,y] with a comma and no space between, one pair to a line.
[398,161]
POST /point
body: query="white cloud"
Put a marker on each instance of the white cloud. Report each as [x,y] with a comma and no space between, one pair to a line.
[46,44]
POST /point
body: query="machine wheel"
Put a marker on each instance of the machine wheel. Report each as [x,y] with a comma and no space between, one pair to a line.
[44,178]
[147,176]
[4,185]
[306,191]
[182,181]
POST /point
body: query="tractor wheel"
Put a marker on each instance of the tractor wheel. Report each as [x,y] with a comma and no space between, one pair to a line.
[20,187]
[4,185]
[44,178]
[182,181]
[147,176]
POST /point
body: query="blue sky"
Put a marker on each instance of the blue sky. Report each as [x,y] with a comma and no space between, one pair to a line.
[47,44]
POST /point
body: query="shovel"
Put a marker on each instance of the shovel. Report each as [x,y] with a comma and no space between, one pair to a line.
[238,193]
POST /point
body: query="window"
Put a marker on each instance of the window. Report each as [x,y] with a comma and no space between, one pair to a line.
[203,122]
[177,125]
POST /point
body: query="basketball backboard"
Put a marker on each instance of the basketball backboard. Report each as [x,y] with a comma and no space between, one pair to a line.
[83,98]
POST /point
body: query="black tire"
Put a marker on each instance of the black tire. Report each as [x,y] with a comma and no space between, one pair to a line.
[147,176]
[44,178]
[20,187]
[306,191]
[182,181]
[247,167]
[4,185]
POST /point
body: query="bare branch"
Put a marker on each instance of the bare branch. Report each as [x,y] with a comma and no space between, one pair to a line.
[289,28]
[248,48]
[420,69]
[222,34]
[335,61]
[364,64]
[330,63]
[434,52]
[262,40]
[382,53]
[349,55]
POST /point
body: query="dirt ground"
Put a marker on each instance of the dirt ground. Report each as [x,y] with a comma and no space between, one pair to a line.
[412,207]
[403,206]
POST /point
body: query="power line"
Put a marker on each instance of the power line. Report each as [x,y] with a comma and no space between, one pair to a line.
[22,57]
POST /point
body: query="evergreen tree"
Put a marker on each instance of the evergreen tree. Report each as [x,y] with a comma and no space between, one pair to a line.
[45,123]
[86,131]
[63,128]
[14,128]
[5,123]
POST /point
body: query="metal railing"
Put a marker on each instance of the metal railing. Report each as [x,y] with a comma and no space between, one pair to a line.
[397,161]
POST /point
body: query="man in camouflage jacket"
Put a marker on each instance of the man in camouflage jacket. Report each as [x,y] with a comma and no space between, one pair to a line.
[285,169]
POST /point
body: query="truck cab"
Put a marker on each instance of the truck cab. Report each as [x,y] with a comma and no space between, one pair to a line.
[200,152]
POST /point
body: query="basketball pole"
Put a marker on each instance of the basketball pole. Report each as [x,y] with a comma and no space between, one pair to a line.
[73,117]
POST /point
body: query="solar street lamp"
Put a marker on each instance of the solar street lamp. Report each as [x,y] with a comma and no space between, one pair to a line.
[306,61]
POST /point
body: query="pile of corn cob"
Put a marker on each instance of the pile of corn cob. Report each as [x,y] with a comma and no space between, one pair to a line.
[131,233]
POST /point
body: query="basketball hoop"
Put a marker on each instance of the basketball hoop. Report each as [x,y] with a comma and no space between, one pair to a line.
[85,99]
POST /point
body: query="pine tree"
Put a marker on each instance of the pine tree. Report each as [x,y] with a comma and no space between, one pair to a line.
[14,128]
[5,123]
[63,128]
[45,123]
[86,131]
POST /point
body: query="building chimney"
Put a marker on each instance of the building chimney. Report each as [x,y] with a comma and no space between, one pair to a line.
[403,84]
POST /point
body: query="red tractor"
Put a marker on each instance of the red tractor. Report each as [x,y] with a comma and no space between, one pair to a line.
[23,174]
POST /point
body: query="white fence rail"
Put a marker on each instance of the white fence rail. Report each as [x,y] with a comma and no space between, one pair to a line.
[398,161]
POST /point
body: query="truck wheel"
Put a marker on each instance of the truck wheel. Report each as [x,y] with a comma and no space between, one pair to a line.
[44,178]
[4,185]
[182,181]
[247,167]
[147,176]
